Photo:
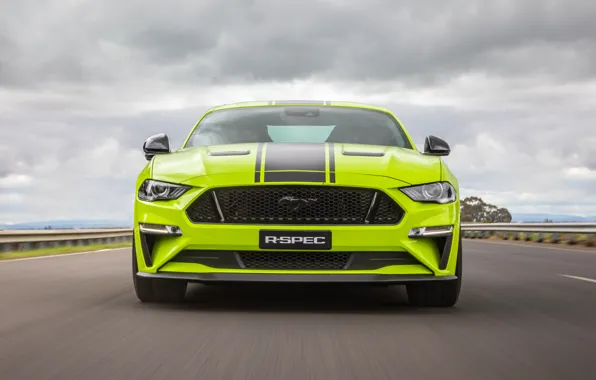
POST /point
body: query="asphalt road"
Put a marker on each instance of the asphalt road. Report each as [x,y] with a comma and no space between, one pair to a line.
[76,317]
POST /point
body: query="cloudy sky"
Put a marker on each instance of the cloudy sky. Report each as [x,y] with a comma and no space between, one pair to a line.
[510,84]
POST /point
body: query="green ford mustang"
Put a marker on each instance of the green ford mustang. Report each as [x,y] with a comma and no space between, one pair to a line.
[301,192]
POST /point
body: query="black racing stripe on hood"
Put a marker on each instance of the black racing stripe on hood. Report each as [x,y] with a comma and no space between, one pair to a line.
[285,156]
[295,177]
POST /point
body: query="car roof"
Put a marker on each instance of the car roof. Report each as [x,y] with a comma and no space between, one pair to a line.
[322,103]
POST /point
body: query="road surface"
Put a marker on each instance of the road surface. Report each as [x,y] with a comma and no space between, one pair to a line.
[519,317]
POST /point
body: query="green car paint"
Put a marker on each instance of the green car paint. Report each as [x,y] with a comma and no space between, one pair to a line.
[384,168]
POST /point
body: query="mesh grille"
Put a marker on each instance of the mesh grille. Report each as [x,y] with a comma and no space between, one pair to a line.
[387,212]
[203,210]
[294,205]
[295,260]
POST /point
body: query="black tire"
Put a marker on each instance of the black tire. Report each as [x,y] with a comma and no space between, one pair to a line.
[156,290]
[439,293]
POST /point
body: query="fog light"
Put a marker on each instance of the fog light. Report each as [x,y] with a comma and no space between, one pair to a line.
[430,231]
[160,229]
[415,232]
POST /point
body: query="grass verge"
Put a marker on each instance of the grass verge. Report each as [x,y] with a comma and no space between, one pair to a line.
[60,250]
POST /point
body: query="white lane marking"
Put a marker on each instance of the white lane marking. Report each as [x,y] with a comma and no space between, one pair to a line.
[579,278]
[535,245]
[56,255]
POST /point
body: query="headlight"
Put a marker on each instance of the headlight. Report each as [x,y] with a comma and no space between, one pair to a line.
[155,191]
[436,192]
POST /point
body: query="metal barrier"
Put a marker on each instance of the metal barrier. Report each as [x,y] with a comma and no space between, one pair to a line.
[571,233]
[26,240]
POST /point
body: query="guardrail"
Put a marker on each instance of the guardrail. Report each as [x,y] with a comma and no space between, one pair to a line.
[26,240]
[570,233]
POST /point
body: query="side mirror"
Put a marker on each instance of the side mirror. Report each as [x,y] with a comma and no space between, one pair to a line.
[156,144]
[434,146]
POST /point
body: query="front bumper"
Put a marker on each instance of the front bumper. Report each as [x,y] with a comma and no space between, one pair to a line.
[296,278]
[384,253]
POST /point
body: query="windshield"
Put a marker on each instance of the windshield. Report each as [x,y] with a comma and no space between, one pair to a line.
[299,124]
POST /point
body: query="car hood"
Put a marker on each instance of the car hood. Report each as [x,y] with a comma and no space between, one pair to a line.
[252,160]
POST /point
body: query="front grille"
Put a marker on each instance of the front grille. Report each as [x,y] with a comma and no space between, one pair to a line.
[294,260]
[295,205]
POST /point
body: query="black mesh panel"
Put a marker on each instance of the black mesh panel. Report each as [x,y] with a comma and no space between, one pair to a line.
[294,205]
[295,260]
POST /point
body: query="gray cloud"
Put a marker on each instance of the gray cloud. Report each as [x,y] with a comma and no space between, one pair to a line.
[425,41]
[511,85]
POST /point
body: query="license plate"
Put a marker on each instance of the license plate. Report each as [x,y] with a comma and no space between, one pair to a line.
[312,240]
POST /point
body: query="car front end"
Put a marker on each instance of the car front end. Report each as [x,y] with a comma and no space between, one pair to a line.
[317,213]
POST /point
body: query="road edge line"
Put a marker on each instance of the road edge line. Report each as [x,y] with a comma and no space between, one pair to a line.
[58,255]
[587,279]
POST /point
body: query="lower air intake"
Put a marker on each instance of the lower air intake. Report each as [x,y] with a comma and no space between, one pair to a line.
[294,260]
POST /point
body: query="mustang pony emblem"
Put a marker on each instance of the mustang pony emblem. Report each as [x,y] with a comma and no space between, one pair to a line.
[295,204]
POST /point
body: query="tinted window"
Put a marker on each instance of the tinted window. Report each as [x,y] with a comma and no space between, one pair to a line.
[300,125]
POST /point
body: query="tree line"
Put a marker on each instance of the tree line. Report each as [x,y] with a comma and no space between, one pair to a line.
[476,210]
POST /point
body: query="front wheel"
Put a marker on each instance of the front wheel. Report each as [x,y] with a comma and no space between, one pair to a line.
[156,290]
[439,293]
